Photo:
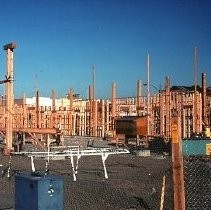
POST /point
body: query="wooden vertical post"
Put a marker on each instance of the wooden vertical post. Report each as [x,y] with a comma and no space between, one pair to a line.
[177,163]
[161,106]
[197,113]
[95,117]
[71,110]
[93,80]
[91,120]
[168,107]
[204,99]
[38,120]
[53,111]
[148,98]
[25,125]
[74,124]
[139,94]
[103,117]
[9,97]
[113,114]
[107,115]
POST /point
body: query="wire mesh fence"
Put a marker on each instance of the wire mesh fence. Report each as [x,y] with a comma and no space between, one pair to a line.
[134,181]
[142,179]
[139,180]
[197,173]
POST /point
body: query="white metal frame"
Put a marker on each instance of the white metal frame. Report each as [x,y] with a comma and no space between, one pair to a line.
[72,152]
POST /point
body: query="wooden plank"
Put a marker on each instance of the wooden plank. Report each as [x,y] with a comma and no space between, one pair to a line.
[34,130]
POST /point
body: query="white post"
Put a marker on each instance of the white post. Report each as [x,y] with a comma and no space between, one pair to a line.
[104,157]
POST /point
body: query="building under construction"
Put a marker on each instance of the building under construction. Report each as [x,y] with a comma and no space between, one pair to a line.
[97,117]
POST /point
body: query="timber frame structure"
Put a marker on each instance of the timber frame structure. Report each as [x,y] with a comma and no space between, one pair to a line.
[96,117]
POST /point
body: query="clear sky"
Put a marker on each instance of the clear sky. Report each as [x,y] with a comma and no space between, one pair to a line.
[59,40]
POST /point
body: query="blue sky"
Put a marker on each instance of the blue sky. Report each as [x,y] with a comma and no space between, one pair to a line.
[59,40]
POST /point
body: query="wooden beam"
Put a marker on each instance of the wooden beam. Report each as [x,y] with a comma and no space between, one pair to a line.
[9,97]
[34,130]
[35,139]
[177,164]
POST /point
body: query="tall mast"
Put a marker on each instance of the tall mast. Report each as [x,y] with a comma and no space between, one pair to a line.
[195,68]
[148,94]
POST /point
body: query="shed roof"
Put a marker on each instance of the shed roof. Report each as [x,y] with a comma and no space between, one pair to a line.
[130,118]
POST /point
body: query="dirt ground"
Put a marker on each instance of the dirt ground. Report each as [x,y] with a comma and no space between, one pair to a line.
[134,182]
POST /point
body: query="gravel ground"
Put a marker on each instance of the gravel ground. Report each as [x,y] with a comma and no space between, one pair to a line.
[134,182]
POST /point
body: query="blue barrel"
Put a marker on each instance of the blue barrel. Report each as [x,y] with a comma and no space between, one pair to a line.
[38,192]
[196,147]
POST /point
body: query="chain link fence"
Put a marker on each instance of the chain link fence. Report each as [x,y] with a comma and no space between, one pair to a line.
[141,180]
[197,173]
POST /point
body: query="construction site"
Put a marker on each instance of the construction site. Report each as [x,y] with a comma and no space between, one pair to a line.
[97,117]
[169,114]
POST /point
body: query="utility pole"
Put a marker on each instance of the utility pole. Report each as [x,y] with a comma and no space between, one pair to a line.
[9,48]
